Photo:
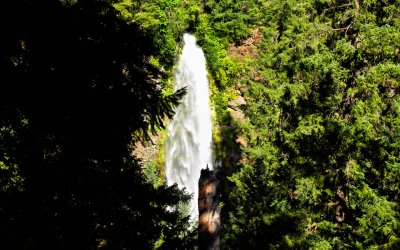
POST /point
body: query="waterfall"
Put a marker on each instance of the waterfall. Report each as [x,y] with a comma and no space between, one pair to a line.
[188,147]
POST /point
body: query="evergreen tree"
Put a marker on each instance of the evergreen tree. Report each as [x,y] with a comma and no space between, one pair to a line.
[321,166]
[79,85]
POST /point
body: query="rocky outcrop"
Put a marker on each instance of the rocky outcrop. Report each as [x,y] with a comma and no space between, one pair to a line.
[237,102]
[234,108]
[248,47]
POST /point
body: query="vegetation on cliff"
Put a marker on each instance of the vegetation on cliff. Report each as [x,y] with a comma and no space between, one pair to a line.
[320,166]
[306,96]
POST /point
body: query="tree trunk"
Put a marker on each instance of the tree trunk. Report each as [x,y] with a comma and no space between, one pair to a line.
[209,221]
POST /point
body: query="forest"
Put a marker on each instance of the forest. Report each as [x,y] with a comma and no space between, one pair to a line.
[306,104]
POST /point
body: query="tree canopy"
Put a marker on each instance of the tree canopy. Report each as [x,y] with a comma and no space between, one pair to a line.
[306,97]
[319,141]
[79,86]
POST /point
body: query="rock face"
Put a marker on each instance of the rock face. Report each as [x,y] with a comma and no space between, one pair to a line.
[236,103]
[209,211]
[248,46]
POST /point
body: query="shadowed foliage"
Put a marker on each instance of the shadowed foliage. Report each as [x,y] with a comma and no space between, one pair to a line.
[77,89]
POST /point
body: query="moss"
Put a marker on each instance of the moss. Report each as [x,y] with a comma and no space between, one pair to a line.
[160,158]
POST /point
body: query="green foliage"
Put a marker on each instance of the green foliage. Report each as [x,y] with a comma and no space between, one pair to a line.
[152,174]
[11,133]
[321,168]
[164,21]
[232,20]
[323,125]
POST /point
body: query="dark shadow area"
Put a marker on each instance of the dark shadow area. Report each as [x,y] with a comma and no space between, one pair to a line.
[77,89]
[228,154]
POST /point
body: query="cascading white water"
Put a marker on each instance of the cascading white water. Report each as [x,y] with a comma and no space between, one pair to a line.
[189,142]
